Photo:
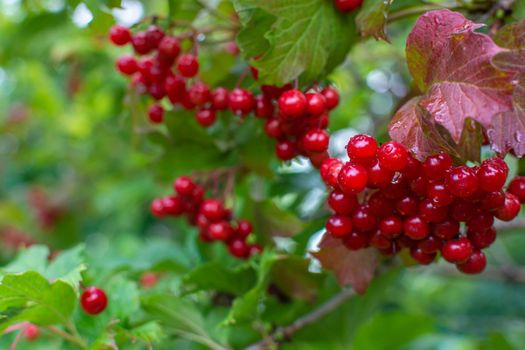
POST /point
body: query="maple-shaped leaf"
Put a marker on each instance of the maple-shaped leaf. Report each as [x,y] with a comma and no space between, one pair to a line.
[512,37]
[508,128]
[451,64]
[354,268]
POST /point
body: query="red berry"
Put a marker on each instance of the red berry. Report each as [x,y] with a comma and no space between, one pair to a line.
[415,228]
[392,156]
[244,228]
[239,249]
[148,279]
[363,219]
[315,140]
[184,186]
[154,36]
[430,212]
[156,114]
[480,221]
[140,43]
[127,65]
[446,230]
[435,167]
[355,240]
[430,245]
[263,107]
[315,103]
[438,194]
[199,93]
[483,239]
[352,178]
[93,300]
[318,158]
[285,150]
[119,35]
[219,99]
[212,209]
[241,101]
[413,169]
[172,205]
[361,146]
[475,264]
[457,250]
[397,188]
[419,186]
[292,103]
[347,5]
[380,241]
[342,203]
[188,65]
[421,257]
[339,226]
[272,128]
[175,87]
[31,332]
[331,97]
[255,249]
[206,117]
[380,205]
[493,201]
[378,177]
[157,91]
[391,226]
[330,170]
[462,210]
[221,231]
[407,206]
[492,175]
[169,46]
[510,209]
[517,188]
[462,181]
[157,208]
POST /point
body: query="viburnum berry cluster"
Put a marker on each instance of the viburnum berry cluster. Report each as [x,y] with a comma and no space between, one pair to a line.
[214,220]
[385,198]
[295,119]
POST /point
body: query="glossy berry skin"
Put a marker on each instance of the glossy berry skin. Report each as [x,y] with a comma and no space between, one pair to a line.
[446,230]
[407,206]
[392,156]
[188,65]
[172,205]
[31,332]
[462,210]
[347,5]
[517,188]
[154,35]
[480,221]
[315,140]
[391,226]
[157,208]
[140,43]
[127,65]
[315,103]
[493,201]
[206,117]
[462,182]
[342,203]
[169,46]
[352,178]
[430,245]
[415,228]
[199,93]
[184,186]
[221,231]
[330,170]
[380,206]
[212,209]
[93,300]
[156,114]
[361,147]
[263,107]
[430,212]
[241,101]
[356,240]
[483,239]
[436,166]
[292,104]
[457,251]
[339,226]
[272,128]
[331,97]
[492,175]
[475,264]
[378,177]
[219,99]
[363,219]
[421,257]
[380,241]
[285,150]
[244,228]
[510,209]
[439,195]
[119,35]
[239,249]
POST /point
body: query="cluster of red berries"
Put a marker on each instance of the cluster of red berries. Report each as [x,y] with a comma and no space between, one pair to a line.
[385,198]
[214,221]
[348,5]
[93,300]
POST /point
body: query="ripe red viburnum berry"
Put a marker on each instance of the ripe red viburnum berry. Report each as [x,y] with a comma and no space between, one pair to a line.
[206,117]
[285,150]
[492,175]
[93,300]
[339,225]
[517,188]
[347,5]
[436,166]
[510,209]
[169,46]
[315,140]
[119,35]
[241,101]
[462,181]
[188,65]
[362,147]
[475,264]
[140,43]
[238,248]
[458,250]
[127,65]
[156,114]
[352,178]
[342,203]
[219,98]
[315,103]
[331,97]
[392,156]
[292,103]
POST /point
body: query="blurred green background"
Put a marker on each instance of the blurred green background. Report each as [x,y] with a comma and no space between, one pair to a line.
[77,164]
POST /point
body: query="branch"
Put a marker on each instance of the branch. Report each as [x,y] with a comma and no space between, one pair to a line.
[288,331]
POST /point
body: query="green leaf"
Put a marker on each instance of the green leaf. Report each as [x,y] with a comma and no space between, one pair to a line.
[371,19]
[204,277]
[148,332]
[30,297]
[274,221]
[124,297]
[291,275]
[307,39]
[33,258]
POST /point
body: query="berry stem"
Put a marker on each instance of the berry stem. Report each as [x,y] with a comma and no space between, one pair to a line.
[69,337]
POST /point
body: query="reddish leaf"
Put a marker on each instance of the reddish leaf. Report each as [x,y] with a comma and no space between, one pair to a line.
[508,129]
[354,268]
[511,36]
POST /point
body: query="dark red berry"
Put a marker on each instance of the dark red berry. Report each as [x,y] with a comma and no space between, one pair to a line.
[175,87]
[462,210]
[154,36]
[510,209]
[330,170]
[391,226]
[439,195]
[435,167]
[263,107]
[156,114]
[380,241]
[392,156]
[462,181]
[172,205]
[221,231]
[430,245]
[315,104]
[285,150]
[292,104]
[493,201]
[331,97]
[419,186]
[244,228]
[157,208]
[413,169]
[446,230]
[255,249]
[188,65]
[483,239]
[492,175]
[199,93]
[219,99]
[272,128]
[407,206]
[339,226]
[380,205]
[480,221]
[352,178]
[239,249]
[140,43]
[430,212]
[93,300]
[241,101]
[169,46]
[355,240]
[347,5]
[184,186]
[457,250]
[415,228]
[315,140]
[342,203]
[517,188]
[475,264]
[127,65]
[212,209]
[363,219]
[206,117]
[119,35]
[421,257]
[378,177]
[362,146]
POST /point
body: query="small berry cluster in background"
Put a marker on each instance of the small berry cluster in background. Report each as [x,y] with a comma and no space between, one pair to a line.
[385,198]
[214,221]
[295,119]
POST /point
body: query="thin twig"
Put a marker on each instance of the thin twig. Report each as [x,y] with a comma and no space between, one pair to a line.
[288,331]
[67,336]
